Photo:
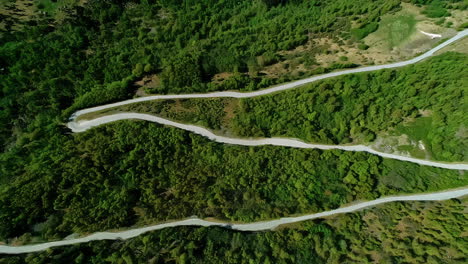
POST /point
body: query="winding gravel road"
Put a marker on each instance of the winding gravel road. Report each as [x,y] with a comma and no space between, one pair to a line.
[255,226]
[278,88]
[80,126]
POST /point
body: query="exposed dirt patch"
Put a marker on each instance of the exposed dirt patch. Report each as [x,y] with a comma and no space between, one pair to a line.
[230,109]
[320,51]
[462,132]
[416,43]
[425,113]
[14,14]
[351,52]
[401,145]
[147,82]
[459,46]
[217,78]
[324,51]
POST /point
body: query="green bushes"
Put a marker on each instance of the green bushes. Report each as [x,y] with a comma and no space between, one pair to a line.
[365,30]
[436,8]
[104,42]
[362,46]
[135,173]
[100,94]
[182,72]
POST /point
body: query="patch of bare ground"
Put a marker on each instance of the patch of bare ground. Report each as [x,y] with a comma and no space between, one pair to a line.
[230,109]
[323,50]
[220,77]
[147,82]
[425,113]
[319,51]
[462,132]
[15,13]
[457,17]
[460,46]
[417,43]
[394,144]
[352,54]
[178,108]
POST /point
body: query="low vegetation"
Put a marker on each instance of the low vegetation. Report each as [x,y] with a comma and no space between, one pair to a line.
[398,29]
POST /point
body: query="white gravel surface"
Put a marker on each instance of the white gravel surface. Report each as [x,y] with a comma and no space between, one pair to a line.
[83,125]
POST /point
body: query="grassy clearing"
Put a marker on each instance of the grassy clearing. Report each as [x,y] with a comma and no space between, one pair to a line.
[424,141]
[398,37]
[17,13]
[419,131]
[398,29]
[419,128]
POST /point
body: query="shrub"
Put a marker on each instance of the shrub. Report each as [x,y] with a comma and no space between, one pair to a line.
[362,46]
[365,30]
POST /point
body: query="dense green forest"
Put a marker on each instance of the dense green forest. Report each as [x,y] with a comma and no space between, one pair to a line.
[411,232]
[53,182]
[94,55]
[425,101]
[135,172]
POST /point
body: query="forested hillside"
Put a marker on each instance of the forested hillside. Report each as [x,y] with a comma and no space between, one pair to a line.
[54,183]
[98,50]
[135,172]
[425,101]
[412,232]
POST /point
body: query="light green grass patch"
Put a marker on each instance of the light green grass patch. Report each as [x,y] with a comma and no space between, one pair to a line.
[418,130]
[46,5]
[51,7]
[397,29]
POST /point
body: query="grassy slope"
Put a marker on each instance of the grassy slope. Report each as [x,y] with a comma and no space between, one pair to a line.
[398,29]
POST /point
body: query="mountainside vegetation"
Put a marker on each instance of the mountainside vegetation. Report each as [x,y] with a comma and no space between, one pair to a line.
[77,54]
[134,172]
[425,101]
[92,57]
[410,232]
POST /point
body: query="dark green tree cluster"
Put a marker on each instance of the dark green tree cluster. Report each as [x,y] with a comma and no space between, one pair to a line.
[440,8]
